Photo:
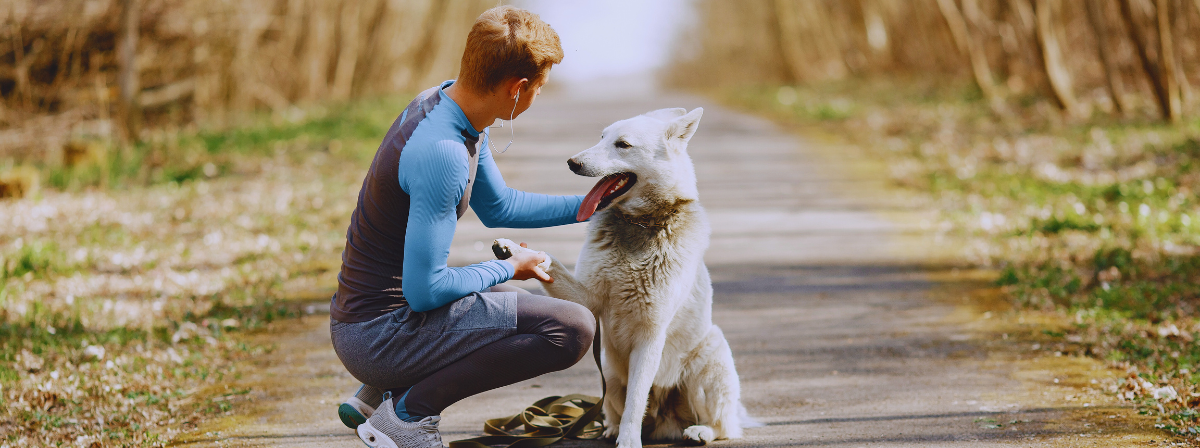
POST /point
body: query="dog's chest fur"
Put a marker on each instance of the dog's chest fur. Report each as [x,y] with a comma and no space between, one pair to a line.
[643,271]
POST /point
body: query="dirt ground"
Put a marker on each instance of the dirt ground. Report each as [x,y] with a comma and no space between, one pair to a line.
[848,321]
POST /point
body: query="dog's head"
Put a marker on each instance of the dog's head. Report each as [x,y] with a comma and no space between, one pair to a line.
[643,161]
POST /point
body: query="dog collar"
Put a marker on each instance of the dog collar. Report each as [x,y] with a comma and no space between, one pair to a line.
[644,223]
[653,221]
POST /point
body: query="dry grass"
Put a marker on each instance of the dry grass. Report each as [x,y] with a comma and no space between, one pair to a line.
[120,307]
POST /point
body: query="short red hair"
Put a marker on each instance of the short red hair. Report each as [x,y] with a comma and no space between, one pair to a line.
[508,42]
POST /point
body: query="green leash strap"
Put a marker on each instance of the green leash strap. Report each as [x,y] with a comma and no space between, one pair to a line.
[548,420]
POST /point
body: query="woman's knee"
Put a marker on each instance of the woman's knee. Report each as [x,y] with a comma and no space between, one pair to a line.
[577,326]
[583,321]
[568,326]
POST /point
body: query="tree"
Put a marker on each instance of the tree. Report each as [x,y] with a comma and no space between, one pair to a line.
[1052,57]
[1166,59]
[1152,69]
[972,49]
[1097,20]
[129,112]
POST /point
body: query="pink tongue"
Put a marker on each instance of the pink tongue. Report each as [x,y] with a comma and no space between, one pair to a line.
[592,200]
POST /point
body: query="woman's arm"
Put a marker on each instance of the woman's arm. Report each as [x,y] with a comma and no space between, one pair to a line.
[435,178]
[497,205]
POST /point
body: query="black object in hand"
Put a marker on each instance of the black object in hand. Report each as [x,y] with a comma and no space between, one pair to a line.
[502,253]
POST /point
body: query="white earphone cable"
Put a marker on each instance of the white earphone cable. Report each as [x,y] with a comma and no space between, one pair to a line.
[511,130]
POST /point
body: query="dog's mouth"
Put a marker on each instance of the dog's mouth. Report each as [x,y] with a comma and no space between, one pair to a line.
[610,187]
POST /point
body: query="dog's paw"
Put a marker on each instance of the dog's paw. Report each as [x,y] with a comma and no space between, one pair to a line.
[504,248]
[611,431]
[627,441]
[698,434]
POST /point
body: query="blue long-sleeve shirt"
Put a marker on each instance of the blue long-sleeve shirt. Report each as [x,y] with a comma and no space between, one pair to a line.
[430,146]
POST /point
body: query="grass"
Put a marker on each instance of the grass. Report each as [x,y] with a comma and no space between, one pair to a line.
[1096,222]
[125,286]
[36,258]
[177,156]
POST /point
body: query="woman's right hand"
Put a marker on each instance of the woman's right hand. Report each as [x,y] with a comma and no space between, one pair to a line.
[525,266]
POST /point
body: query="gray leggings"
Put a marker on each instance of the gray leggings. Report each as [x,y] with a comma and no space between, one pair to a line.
[549,335]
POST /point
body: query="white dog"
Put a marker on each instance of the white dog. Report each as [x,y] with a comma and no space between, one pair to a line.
[642,273]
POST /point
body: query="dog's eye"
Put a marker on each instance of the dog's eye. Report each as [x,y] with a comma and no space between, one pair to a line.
[622,144]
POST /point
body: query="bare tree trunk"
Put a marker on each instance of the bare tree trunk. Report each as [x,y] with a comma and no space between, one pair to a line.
[1166,58]
[1099,27]
[291,40]
[24,63]
[968,46]
[1021,12]
[816,21]
[343,77]
[873,23]
[64,57]
[1186,96]
[1149,66]
[423,56]
[127,77]
[1052,58]
[976,18]
[791,42]
[375,14]
[21,72]
[317,47]
[242,91]
[449,37]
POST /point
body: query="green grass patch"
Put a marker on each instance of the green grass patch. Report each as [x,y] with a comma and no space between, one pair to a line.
[350,130]
[34,258]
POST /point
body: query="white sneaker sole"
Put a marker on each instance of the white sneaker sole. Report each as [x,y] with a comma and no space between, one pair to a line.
[374,438]
[354,412]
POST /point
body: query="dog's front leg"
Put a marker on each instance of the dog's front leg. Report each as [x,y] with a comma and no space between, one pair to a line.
[565,286]
[614,404]
[643,366]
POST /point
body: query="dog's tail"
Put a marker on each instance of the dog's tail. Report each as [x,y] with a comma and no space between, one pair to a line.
[746,419]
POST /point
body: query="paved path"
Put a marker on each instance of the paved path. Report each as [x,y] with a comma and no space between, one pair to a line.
[828,290]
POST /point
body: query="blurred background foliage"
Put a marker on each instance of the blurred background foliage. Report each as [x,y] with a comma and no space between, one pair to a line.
[1057,138]
[187,168]
[77,75]
[1129,57]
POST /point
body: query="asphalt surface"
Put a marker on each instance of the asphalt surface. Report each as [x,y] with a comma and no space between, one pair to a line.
[846,325]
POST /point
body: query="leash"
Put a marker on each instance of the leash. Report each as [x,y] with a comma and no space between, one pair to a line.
[548,420]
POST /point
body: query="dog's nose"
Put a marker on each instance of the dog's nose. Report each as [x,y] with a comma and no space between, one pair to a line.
[575,166]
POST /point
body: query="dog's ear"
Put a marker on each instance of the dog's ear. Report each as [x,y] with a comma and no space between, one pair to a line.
[667,114]
[684,127]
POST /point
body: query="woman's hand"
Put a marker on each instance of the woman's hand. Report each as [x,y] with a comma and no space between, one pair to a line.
[525,265]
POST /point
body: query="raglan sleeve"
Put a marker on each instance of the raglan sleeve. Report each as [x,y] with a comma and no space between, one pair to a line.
[435,179]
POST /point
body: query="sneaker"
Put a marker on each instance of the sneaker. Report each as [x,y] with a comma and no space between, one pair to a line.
[359,407]
[385,430]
